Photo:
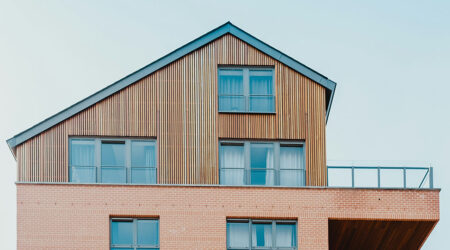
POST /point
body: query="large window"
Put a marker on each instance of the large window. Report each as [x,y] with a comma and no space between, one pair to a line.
[261,163]
[136,234]
[246,90]
[112,161]
[261,234]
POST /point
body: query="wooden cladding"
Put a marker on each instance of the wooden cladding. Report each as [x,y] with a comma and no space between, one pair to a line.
[178,106]
[130,112]
[378,234]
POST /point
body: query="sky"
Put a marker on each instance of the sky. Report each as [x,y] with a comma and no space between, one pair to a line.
[389,59]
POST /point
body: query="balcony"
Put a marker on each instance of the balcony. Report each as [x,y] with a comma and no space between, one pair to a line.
[380,177]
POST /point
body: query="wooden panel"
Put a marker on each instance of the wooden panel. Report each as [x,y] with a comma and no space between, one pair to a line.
[372,234]
[130,112]
[315,146]
[178,106]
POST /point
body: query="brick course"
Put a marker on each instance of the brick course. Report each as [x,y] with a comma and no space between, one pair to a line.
[76,216]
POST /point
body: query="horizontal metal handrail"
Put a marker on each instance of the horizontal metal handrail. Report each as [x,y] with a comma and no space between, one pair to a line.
[428,173]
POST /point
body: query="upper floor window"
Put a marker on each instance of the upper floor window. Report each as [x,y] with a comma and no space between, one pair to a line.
[112,161]
[261,234]
[261,163]
[246,90]
[132,233]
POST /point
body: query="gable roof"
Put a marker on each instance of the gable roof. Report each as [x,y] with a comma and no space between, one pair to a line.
[227,28]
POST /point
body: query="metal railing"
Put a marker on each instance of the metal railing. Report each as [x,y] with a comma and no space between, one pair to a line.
[380,177]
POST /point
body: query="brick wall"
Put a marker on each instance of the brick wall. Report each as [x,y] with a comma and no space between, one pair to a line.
[71,216]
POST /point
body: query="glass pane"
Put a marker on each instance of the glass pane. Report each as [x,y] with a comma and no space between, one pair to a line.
[143,175]
[232,177]
[231,103]
[147,232]
[292,178]
[122,232]
[82,153]
[262,177]
[143,154]
[231,156]
[83,174]
[114,175]
[114,248]
[261,155]
[238,234]
[231,82]
[262,103]
[292,157]
[260,84]
[262,235]
[261,163]
[286,236]
[113,154]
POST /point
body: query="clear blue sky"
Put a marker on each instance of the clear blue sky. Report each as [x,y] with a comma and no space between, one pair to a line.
[390,59]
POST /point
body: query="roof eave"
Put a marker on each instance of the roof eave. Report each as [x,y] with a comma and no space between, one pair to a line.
[330,102]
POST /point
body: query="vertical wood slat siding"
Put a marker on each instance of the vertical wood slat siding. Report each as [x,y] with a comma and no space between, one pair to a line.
[129,112]
[178,105]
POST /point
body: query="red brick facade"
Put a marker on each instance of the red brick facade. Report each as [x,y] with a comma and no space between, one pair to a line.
[71,216]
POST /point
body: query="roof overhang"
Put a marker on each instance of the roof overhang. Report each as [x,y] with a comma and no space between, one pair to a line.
[378,234]
[227,28]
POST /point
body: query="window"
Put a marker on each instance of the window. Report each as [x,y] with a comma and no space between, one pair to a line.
[261,234]
[261,163]
[246,90]
[112,161]
[136,234]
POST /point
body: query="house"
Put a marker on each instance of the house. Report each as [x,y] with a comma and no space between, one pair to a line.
[218,145]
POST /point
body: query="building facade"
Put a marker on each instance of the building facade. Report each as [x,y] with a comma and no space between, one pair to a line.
[218,145]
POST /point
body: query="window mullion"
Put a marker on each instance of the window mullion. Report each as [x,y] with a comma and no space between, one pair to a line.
[247,163]
[250,245]
[135,233]
[274,240]
[246,83]
[277,163]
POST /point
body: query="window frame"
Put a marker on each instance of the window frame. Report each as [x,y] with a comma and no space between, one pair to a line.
[247,159]
[246,88]
[127,141]
[135,244]
[274,223]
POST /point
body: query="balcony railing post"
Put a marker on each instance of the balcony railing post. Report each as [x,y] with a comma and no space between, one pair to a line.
[378,173]
[404,177]
[431,177]
[353,176]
